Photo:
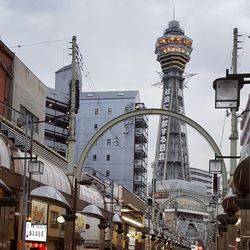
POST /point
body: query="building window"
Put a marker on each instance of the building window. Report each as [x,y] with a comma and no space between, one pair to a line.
[94,157]
[53,222]
[108,158]
[109,111]
[96,111]
[108,142]
[107,172]
[95,126]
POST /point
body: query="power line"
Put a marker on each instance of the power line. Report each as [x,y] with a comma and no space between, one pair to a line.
[38,43]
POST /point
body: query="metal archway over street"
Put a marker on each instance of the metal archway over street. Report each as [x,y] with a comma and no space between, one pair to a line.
[174,198]
[178,116]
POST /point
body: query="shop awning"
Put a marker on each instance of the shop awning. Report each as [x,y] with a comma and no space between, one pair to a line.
[50,194]
[53,176]
[91,195]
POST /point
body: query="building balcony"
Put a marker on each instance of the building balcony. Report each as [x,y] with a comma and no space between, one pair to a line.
[141,135]
[55,129]
[140,166]
[140,192]
[57,120]
[57,105]
[52,135]
[141,121]
[141,151]
[140,180]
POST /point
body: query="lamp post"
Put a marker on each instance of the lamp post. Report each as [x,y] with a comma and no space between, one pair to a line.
[33,166]
[76,188]
[227,95]
[109,193]
[118,221]
[94,211]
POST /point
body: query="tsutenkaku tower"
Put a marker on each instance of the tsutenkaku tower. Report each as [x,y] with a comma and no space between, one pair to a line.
[173,51]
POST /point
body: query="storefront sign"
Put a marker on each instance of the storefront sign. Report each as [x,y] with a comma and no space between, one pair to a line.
[35,232]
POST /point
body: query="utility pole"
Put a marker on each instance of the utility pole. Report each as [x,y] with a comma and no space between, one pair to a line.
[234,132]
[153,193]
[71,139]
[25,188]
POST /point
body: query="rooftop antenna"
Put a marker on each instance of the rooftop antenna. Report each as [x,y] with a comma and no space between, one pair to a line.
[174,12]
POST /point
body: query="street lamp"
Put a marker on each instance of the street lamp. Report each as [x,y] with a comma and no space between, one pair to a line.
[227,93]
[35,167]
[108,191]
[215,166]
[118,221]
[95,212]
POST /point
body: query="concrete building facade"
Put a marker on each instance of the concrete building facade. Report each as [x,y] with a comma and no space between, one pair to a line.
[29,95]
[57,121]
[203,178]
[121,153]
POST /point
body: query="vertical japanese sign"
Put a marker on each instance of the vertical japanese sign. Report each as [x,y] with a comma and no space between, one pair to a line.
[163,131]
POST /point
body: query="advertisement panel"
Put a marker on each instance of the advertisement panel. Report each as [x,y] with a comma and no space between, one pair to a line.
[37,233]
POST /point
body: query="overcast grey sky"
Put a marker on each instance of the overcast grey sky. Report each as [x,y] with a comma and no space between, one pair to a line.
[117,39]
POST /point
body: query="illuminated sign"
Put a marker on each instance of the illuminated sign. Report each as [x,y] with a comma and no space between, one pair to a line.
[36,232]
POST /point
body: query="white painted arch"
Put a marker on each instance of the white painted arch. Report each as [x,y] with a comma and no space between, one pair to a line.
[152,111]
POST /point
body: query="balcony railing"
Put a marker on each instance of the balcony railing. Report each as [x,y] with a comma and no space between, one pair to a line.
[141,131]
[140,179]
[141,165]
[141,121]
[140,151]
[141,147]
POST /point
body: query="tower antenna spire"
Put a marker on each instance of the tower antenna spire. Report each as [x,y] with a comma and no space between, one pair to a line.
[174,12]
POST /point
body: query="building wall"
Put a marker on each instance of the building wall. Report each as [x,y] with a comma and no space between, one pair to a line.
[6,72]
[62,79]
[116,151]
[29,92]
[56,126]
[96,109]
[57,108]
[203,178]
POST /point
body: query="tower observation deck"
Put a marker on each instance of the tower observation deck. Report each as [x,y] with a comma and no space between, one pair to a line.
[173,51]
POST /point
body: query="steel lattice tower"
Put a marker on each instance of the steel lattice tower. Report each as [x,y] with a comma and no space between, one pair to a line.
[173,51]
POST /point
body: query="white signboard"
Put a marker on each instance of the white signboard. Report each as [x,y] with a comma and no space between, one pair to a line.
[36,232]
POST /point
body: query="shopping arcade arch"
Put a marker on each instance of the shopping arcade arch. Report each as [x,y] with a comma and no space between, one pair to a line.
[140,112]
[179,197]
